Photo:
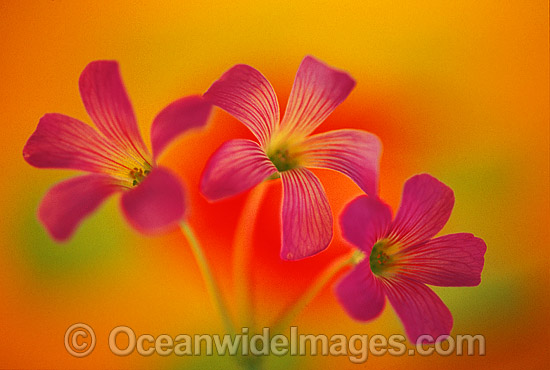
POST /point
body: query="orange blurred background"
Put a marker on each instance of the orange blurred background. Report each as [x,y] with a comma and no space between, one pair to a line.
[455,89]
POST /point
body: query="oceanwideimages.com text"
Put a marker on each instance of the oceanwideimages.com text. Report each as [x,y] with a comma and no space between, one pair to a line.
[123,341]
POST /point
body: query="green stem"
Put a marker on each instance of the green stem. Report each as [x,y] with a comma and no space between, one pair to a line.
[325,276]
[242,254]
[211,285]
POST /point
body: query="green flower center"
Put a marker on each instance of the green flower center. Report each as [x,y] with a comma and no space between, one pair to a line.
[137,175]
[286,151]
[380,260]
[282,159]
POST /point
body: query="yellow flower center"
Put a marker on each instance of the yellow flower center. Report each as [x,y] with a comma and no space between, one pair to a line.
[137,175]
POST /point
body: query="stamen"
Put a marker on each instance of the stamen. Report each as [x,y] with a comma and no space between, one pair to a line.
[138,175]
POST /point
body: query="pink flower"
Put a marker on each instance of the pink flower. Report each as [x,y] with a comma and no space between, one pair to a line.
[284,149]
[400,258]
[116,157]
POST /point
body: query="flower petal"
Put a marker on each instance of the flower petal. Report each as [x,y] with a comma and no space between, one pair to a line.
[155,204]
[426,205]
[247,95]
[66,204]
[108,105]
[421,311]
[306,215]
[361,293]
[236,166]
[64,142]
[318,89]
[178,117]
[354,153]
[450,260]
[364,221]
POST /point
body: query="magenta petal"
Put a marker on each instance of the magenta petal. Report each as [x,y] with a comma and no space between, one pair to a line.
[155,204]
[361,293]
[178,117]
[450,260]
[318,89]
[246,94]
[364,221]
[421,311]
[306,215]
[66,204]
[354,153]
[108,105]
[236,166]
[64,142]
[426,206]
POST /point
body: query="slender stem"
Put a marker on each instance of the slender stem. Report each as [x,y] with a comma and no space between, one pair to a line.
[318,284]
[211,285]
[242,254]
